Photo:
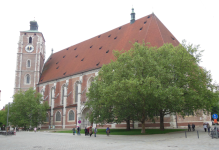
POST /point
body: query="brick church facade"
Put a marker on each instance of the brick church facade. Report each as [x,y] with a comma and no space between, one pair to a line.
[65,77]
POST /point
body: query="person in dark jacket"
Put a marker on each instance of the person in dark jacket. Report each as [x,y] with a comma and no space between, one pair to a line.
[73,131]
[189,127]
[85,131]
[193,127]
[88,131]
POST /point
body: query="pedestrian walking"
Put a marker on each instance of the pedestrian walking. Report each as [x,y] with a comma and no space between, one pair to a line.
[95,131]
[189,127]
[208,126]
[73,131]
[90,131]
[78,130]
[193,127]
[85,131]
[35,129]
[205,127]
[107,131]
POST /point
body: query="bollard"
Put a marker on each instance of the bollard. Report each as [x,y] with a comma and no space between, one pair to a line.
[216,133]
[197,134]
[185,134]
[212,134]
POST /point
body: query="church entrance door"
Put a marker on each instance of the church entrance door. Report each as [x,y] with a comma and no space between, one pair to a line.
[85,121]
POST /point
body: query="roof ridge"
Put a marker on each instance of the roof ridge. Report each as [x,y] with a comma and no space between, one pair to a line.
[148,27]
[159,28]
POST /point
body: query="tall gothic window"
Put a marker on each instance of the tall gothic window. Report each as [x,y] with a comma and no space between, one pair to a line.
[71,115]
[42,92]
[27,79]
[58,116]
[47,118]
[30,39]
[76,92]
[28,63]
[89,83]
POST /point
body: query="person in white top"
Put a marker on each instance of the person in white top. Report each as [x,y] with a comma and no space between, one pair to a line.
[205,127]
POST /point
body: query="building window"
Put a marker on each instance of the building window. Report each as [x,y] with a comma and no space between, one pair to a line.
[76,92]
[90,83]
[30,40]
[27,79]
[47,118]
[42,92]
[58,116]
[28,63]
[71,115]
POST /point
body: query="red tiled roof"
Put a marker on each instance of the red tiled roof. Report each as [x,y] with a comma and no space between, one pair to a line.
[93,53]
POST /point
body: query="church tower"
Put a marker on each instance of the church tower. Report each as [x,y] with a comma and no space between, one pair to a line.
[30,58]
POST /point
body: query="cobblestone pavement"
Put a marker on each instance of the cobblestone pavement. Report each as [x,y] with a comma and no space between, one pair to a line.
[64,141]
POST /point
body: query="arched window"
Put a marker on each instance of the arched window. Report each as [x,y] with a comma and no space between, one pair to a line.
[71,115]
[89,83]
[47,118]
[28,63]
[42,92]
[58,116]
[76,92]
[27,79]
[30,39]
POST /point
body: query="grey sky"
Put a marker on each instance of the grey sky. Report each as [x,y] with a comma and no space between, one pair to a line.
[68,22]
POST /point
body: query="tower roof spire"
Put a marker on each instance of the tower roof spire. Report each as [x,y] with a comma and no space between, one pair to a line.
[33,25]
[132,16]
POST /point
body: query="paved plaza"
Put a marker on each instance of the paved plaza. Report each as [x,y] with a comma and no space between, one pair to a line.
[65,141]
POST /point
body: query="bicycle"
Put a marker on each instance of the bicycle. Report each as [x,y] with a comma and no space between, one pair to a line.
[214,132]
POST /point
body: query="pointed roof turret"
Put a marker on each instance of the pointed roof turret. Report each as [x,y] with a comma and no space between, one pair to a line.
[33,25]
[132,16]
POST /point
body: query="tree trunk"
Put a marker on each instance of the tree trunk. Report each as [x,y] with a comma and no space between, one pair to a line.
[128,124]
[142,127]
[143,124]
[161,121]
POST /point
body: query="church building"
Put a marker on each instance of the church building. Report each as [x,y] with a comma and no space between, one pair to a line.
[65,77]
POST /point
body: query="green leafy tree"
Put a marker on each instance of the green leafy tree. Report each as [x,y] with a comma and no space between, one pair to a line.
[146,80]
[28,109]
[3,117]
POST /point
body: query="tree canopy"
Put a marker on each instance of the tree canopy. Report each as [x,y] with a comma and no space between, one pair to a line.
[27,109]
[147,80]
[3,117]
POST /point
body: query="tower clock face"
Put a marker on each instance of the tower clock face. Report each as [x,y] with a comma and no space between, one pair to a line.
[29,48]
